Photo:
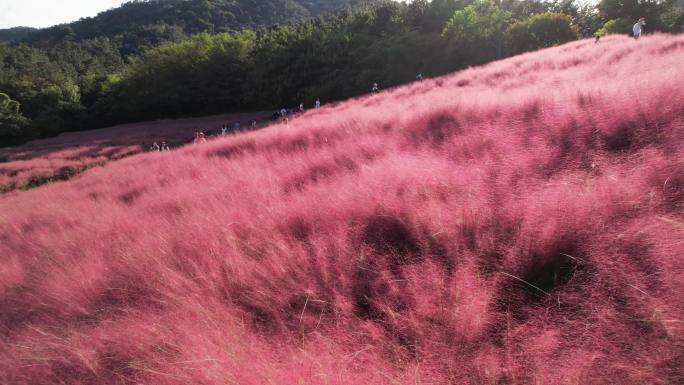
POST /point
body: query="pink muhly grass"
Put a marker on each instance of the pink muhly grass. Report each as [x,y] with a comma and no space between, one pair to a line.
[517,223]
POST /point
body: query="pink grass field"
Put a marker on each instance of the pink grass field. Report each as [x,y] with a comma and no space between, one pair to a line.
[516,223]
[83,149]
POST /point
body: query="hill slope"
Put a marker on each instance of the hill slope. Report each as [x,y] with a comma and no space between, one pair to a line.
[12,35]
[194,16]
[516,223]
[68,154]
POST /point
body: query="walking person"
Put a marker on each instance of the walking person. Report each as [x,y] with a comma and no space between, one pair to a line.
[301,107]
[419,77]
[164,146]
[375,88]
[199,137]
[636,29]
[318,103]
[155,147]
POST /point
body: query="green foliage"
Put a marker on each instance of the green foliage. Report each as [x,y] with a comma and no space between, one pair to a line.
[143,24]
[661,15]
[204,73]
[65,173]
[540,31]
[483,20]
[15,34]
[620,26]
[331,58]
[438,12]
[478,29]
[616,9]
[12,123]
[35,181]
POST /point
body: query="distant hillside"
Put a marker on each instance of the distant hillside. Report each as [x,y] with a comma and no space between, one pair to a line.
[15,34]
[188,16]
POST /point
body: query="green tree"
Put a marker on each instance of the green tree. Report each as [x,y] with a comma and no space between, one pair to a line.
[620,26]
[540,31]
[654,11]
[13,124]
[478,29]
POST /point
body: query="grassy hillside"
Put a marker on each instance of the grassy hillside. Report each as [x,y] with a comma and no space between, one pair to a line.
[62,157]
[517,223]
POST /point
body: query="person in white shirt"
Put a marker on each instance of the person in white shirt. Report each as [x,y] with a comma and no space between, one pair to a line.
[318,103]
[636,29]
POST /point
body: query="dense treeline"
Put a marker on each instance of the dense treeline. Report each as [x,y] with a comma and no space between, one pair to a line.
[137,24]
[15,34]
[105,76]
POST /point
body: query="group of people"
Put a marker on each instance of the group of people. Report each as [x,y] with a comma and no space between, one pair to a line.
[236,126]
[201,137]
[157,148]
[283,114]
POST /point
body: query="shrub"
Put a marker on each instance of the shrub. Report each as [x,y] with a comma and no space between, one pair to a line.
[540,31]
[620,26]
[65,173]
[36,181]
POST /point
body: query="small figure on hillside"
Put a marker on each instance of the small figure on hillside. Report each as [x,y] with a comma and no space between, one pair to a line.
[155,147]
[283,112]
[318,103]
[636,29]
[254,123]
[199,137]
[419,77]
[301,107]
[375,88]
[164,146]
[224,130]
[598,39]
